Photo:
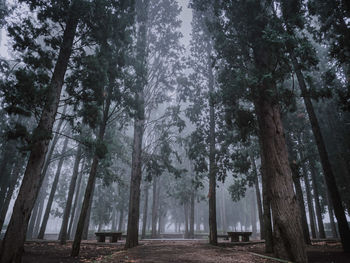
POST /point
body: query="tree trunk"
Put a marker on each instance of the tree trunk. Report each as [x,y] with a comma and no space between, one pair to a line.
[186,219]
[154,207]
[213,238]
[53,191]
[300,198]
[13,242]
[258,197]
[317,200]
[331,217]
[76,200]
[326,165]
[87,203]
[191,234]
[14,178]
[288,234]
[67,210]
[310,204]
[34,223]
[145,211]
[136,172]
[266,207]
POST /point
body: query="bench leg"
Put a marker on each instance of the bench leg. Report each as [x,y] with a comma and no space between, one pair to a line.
[234,238]
[101,239]
[114,239]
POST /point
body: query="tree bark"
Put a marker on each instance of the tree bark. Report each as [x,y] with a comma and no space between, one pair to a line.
[266,205]
[288,234]
[213,238]
[326,165]
[191,234]
[185,205]
[154,207]
[76,200]
[91,180]
[145,211]
[300,198]
[310,204]
[136,172]
[321,231]
[67,210]
[53,191]
[258,197]
[12,245]
[14,178]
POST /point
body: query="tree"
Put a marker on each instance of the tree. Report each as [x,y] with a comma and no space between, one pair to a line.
[12,245]
[250,55]
[106,99]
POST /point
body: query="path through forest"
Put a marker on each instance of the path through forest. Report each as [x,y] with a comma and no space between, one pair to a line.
[181,251]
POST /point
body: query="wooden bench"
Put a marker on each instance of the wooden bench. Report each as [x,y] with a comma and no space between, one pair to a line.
[114,236]
[235,236]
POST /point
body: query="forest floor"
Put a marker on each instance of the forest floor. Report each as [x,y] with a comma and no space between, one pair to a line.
[158,251]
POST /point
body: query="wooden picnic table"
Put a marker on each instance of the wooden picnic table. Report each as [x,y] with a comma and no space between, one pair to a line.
[235,236]
[114,236]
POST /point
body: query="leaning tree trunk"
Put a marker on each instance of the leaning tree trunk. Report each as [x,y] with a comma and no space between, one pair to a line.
[76,200]
[52,193]
[288,234]
[298,190]
[13,242]
[132,236]
[35,220]
[300,198]
[14,178]
[317,200]
[266,204]
[326,165]
[310,203]
[91,180]
[145,211]
[67,210]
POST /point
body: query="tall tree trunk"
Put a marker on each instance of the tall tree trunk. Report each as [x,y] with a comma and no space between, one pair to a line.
[7,162]
[310,203]
[145,211]
[91,180]
[186,219]
[14,178]
[253,212]
[326,165]
[35,220]
[67,210]
[53,191]
[191,235]
[331,217]
[76,200]
[288,235]
[213,238]
[132,237]
[154,207]
[266,205]
[12,245]
[258,197]
[317,200]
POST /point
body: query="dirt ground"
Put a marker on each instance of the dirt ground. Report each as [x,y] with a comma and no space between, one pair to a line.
[170,251]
